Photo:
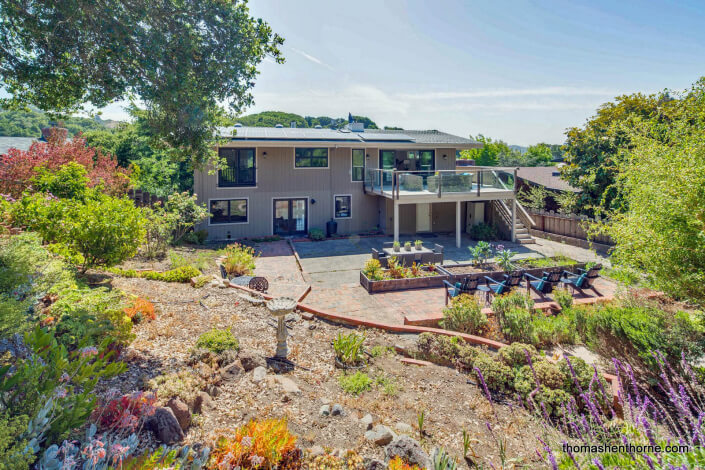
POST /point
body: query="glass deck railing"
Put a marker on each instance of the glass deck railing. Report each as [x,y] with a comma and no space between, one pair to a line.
[396,183]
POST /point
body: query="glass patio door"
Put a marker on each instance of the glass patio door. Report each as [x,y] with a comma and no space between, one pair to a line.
[290,217]
[387,161]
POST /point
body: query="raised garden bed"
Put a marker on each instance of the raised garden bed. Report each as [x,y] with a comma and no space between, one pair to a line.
[389,285]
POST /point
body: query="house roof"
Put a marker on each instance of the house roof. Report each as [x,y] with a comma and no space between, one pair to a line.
[547,176]
[283,134]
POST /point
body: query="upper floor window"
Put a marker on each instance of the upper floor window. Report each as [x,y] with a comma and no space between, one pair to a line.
[358,164]
[311,158]
[239,169]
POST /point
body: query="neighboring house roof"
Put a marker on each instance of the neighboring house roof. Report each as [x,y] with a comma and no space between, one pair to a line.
[21,143]
[279,134]
[547,176]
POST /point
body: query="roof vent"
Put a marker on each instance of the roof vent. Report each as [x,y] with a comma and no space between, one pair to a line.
[279,126]
[318,126]
[237,124]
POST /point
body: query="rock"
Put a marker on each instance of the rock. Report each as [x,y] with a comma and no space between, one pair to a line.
[307,315]
[231,372]
[324,411]
[213,391]
[403,428]
[259,374]
[374,464]
[202,402]
[409,450]
[366,421]
[197,355]
[165,426]
[288,385]
[315,451]
[226,357]
[337,410]
[292,317]
[181,412]
[380,435]
[252,361]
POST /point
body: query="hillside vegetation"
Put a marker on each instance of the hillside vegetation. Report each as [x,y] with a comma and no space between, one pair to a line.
[272,118]
[29,123]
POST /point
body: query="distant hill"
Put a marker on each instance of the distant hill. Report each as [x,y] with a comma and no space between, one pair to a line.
[29,123]
[519,148]
[272,118]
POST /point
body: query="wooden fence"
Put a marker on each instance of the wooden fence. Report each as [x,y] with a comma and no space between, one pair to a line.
[568,228]
[143,198]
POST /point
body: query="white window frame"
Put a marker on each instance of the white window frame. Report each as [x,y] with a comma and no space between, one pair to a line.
[364,157]
[229,199]
[293,159]
[351,206]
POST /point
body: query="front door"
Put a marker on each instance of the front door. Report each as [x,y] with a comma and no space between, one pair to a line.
[290,216]
[423,217]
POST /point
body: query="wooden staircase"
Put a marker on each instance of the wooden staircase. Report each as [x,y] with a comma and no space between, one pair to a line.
[503,215]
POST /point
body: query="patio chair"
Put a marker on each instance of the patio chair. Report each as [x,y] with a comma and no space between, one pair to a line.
[493,287]
[428,258]
[513,279]
[437,258]
[375,254]
[383,260]
[543,285]
[437,248]
[583,279]
[388,244]
[468,286]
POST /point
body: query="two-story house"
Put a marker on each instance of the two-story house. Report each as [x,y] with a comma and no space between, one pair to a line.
[286,181]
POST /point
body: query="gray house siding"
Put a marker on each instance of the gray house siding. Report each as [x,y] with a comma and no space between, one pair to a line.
[277,178]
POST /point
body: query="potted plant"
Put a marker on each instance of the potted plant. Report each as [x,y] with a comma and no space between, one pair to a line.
[418,244]
[396,246]
[407,246]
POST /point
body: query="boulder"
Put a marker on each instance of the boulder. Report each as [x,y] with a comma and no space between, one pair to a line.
[374,464]
[380,435]
[409,450]
[251,361]
[181,412]
[231,372]
[259,373]
[337,410]
[366,421]
[324,410]
[202,402]
[165,426]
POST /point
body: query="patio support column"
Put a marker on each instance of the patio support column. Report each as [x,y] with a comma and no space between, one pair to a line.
[396,221]
[514,219]
[457,224]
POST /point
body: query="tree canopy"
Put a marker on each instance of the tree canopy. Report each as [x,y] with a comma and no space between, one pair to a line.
[190,62]
[498,152]
[272,118]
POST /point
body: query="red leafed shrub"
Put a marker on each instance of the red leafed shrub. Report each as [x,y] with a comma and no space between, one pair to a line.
[126,412]
[17,167]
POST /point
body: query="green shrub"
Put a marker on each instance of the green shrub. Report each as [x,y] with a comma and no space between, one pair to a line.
[218,341]
[68,182]
[13,442]
[239,260]
[349,348]
[514,354]
[497,376]
[645,329]
[465,315]
[388,385]
[450,350]
[563,297]
[316,234]
[356,383]
[183,213]
[182,274]
[202,281]
[517,325]
[483,231]
[550,330]
[196,237]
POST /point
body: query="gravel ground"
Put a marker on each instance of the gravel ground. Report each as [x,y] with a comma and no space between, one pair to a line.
[451,404]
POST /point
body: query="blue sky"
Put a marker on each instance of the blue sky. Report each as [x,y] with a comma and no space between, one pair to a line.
[516,70]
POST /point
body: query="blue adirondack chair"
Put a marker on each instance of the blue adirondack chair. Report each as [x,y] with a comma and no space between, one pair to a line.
[583,279]
[467,286]
[543,285]
[493,287]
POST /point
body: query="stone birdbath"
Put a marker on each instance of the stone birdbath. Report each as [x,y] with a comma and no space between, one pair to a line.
[280,307]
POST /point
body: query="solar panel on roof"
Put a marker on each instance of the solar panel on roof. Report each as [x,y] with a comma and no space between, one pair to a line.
[377,136]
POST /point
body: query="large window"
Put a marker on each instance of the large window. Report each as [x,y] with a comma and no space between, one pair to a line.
[358,164]
[228,211]
[342,206]
[239,169]
[311,158]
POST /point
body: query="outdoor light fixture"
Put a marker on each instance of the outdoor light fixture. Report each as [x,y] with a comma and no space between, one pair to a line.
[445,157]
[313,201]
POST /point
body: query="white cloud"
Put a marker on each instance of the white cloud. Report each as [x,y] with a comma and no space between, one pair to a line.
[313,59]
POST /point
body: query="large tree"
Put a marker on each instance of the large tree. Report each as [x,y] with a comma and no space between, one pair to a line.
[189,62]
